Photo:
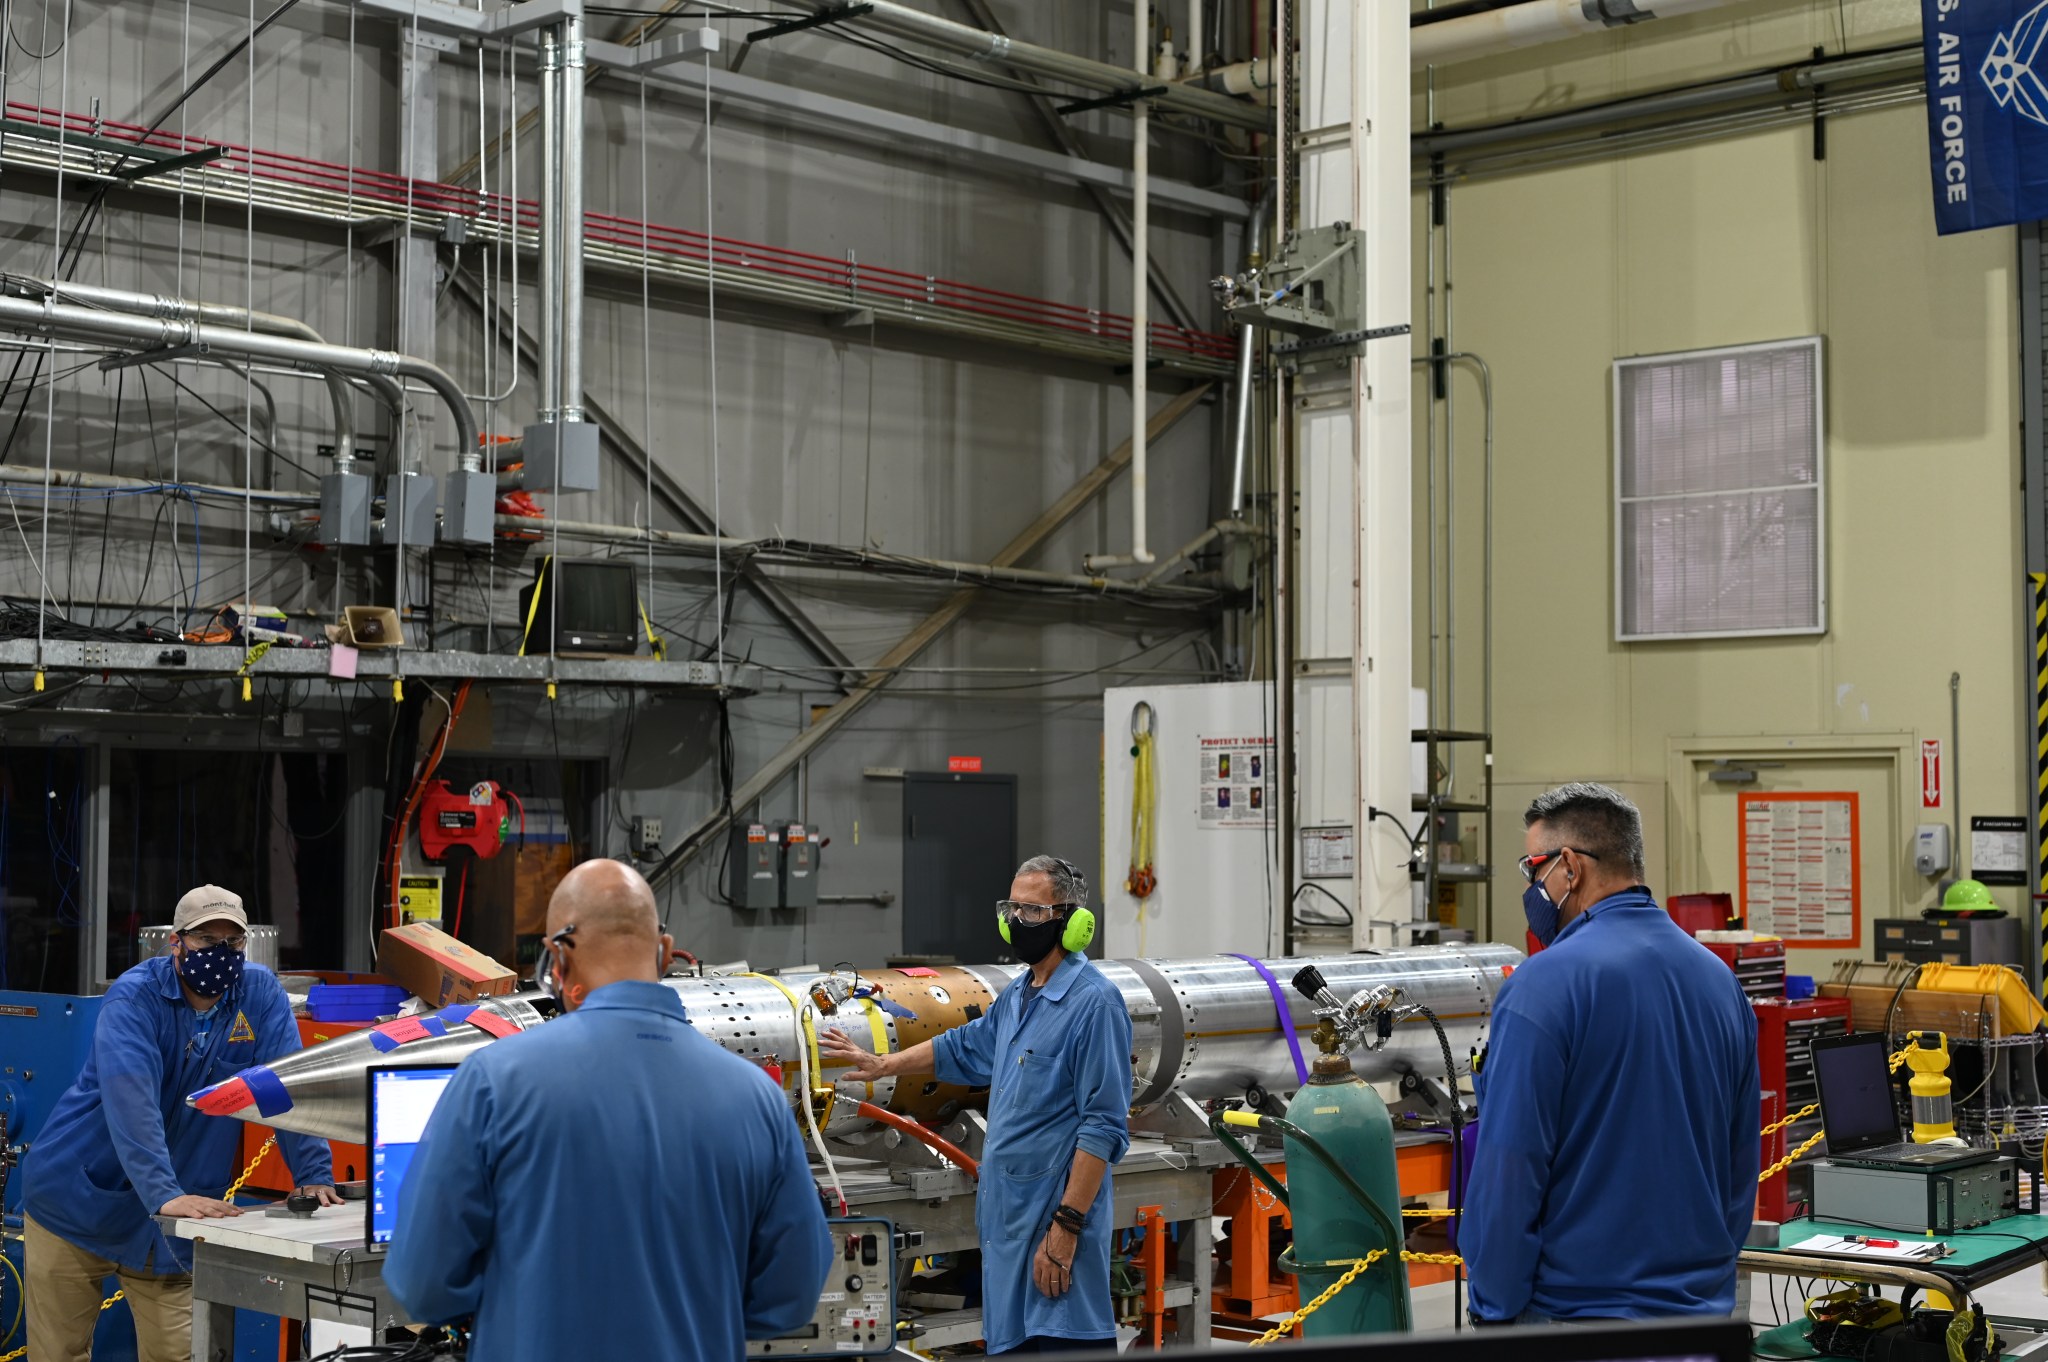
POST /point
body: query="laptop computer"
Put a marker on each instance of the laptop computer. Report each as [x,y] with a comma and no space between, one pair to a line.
[402,1097]
[1853,1076]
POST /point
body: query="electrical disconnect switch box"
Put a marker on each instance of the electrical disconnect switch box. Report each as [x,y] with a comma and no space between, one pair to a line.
[799,866]
[646,837]
[753,866]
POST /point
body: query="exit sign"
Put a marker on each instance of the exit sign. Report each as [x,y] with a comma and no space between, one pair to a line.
[963,763]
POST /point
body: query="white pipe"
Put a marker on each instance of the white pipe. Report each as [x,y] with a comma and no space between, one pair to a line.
[569,397]
[1141,293]
[1195,39]
[1528,25]
[549,275]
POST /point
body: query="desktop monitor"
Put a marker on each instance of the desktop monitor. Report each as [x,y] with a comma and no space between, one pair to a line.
[402,1097]
[585,605]
[1852,1074]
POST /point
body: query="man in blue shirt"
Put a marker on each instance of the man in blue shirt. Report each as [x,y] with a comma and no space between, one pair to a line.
[1055,1053]
[612,1184]
[1615,1174]
[122,1146]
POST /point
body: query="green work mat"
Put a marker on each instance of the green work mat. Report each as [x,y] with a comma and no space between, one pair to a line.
[1972,1248]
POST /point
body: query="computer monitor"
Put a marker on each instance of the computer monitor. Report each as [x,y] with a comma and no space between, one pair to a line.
[1698,1340]
[1852,1075]
[586,605]
[402,1097]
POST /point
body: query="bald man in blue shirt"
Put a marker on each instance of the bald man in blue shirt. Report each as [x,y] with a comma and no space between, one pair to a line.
[612,1184]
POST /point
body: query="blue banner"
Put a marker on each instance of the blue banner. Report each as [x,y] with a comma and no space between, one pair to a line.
[1987,111]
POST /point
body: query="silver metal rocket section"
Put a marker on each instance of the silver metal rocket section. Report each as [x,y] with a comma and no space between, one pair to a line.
[1206,1027]
[323,1090]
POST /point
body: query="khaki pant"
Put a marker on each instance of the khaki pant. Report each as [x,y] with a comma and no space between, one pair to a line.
[65,1290]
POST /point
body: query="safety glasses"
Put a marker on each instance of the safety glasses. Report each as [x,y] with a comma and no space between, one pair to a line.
[1030,914]
[1533,867]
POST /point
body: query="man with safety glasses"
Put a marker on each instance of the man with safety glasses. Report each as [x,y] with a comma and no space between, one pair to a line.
[1619,1082]
[121,1146]
[1055,1054]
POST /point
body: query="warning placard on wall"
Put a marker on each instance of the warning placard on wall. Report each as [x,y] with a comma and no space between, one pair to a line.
[1236,782]
[1801,867]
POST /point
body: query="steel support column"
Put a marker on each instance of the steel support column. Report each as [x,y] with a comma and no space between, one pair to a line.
[2034,501]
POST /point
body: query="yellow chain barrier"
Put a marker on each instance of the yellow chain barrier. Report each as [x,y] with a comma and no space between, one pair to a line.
[1286,1326]
[228,1195]
[1795,1118]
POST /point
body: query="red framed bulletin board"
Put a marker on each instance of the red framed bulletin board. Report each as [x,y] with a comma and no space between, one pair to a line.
[1802,866]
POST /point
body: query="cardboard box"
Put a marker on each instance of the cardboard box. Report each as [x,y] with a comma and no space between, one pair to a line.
[439,968]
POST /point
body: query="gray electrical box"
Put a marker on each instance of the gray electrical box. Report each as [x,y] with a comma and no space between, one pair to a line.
[754,866]
[344,508]
[409,510]
[1950,941]
[561,456]
[470,501]
[799,866]
[1917,1200]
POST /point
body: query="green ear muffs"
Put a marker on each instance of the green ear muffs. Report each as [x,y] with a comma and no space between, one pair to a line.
[1079,934]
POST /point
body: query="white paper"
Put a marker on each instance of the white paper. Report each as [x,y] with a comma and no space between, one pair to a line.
[1799,868]
[2006,851]
[1328,854]
[1236,776]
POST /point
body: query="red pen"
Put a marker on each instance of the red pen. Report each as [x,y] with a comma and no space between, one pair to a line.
[1868,1242]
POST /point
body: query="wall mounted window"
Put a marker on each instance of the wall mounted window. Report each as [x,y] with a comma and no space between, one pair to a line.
[1720,501]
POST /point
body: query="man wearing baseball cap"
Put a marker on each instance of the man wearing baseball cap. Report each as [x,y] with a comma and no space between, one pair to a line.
[122,1146]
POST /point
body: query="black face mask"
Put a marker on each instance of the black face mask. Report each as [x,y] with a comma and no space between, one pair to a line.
[1032,944]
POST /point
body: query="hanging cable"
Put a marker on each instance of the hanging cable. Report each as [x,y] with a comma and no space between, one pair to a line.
[1142,879]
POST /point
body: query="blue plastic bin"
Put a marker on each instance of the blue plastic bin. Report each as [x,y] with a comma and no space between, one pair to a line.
[353,1002]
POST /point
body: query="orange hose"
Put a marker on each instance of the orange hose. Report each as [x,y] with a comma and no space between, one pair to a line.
[944,1148]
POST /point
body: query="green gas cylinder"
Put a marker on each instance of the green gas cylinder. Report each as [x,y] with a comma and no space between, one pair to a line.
[1343,1116]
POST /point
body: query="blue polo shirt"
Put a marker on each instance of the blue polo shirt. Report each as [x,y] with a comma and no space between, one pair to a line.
[1057,1064]
[612,1184]
[1616,1168]
[121,1141]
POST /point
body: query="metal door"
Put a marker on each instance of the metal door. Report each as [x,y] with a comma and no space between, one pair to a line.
[959,852]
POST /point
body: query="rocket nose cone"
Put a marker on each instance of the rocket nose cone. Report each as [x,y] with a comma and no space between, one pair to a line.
[231,1098]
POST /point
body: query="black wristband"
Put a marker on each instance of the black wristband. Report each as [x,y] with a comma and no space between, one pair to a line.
[1066,1217]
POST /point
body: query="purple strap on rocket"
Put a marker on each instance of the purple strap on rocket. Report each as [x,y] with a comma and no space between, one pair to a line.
[265,1087]
[381,1042]
[434,1026]
[1280,1005]
[456,1015]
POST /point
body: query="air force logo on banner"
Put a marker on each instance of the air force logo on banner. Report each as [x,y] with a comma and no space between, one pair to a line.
[2011,69]
[1987,111]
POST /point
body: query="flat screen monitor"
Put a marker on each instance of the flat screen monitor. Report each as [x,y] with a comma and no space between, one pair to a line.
[402,1097]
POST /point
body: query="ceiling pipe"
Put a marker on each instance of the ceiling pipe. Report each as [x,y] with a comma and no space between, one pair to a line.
[1775,87]
[901,21]
[1535,23]
[339,393]
[142,334]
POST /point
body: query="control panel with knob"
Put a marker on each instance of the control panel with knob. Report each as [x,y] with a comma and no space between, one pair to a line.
[856,1313]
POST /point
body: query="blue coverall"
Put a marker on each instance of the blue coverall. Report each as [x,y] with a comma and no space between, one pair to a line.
[1058,1070]
[121,1141]
[612,1184]
[1615,1175]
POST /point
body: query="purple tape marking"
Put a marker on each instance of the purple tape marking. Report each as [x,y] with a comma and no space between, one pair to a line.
[382,1042]
[264,1086]
[456,1015]
[1280,1006]
[434,1026]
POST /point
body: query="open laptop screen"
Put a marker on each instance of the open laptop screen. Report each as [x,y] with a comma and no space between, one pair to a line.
[402,1097]
[1853,1076]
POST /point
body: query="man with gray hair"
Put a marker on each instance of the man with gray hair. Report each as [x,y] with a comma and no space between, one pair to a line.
[1621,1065]
[1055,1053]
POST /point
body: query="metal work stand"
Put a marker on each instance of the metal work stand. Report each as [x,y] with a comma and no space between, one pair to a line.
[304,1268]
[1433,805]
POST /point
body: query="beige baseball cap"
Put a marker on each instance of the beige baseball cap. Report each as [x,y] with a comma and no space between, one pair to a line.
[208,903]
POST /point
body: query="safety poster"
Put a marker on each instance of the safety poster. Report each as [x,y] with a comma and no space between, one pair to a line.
[1236,782]
[1801,867]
